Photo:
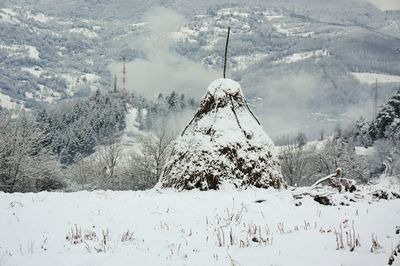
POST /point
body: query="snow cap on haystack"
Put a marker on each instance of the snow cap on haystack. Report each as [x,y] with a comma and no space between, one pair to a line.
[224,142]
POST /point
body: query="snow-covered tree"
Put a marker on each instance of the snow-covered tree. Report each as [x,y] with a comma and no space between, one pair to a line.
[24,164]
[387,122]
[293,159]
[76,128]
[384,133]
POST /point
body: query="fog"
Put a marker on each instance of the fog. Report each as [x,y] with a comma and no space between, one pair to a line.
[162,70]
[286,98]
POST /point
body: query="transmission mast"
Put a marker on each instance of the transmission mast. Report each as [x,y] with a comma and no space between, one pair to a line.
[124,72]
[115,83]
[375,98]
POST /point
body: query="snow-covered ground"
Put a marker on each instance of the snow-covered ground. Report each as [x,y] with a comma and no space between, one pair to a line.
[242,62]
[74,80]
[293,58]
[226,227]
[8,16]
[35,71]
[22,50]
[39,17]
[7,103]
[290,31]
[86,32]
[371,78]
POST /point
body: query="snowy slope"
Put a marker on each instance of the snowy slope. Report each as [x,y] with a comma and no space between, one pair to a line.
[170,228]
[293,58]
[6,102]
[371,78]
[325,40]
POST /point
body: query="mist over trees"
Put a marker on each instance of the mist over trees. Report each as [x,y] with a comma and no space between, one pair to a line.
[80,145]
[379,139]
[71,62]
[383,132]
[77,144]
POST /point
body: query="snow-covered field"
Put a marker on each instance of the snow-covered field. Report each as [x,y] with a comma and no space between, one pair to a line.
[227,227]
[293,58]
[7,103]
[86,32]
[371,78]
[22,50]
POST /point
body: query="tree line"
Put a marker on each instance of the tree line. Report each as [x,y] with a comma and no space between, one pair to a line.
[303,163]
[52,148]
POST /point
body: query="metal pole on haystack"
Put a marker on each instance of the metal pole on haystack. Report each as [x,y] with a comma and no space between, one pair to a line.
[226,50]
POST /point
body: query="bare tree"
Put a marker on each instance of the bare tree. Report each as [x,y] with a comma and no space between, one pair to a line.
[87,173]
[25,164]
[336,153]
[147,161]
[109,156]
[293,159]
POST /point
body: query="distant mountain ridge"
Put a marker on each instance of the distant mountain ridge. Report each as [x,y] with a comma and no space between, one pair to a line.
[299,56]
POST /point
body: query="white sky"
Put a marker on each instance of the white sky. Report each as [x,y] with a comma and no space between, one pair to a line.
[386,4]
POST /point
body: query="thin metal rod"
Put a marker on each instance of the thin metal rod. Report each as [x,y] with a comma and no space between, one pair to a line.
[226,49]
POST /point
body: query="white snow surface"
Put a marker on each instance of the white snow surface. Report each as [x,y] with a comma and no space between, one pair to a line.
[35,71]
[293,58]
[362,151]
[8,16]
[22,50]
[132,126]
[7,103]
[220,87]
[84,31]
[39,17]
[171,228]
[371,78]
[223,121]
[290,31]
[243,62]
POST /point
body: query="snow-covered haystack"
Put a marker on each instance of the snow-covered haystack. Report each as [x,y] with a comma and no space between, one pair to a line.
[224,142]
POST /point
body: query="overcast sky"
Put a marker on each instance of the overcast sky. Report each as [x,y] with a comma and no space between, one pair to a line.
[386,4]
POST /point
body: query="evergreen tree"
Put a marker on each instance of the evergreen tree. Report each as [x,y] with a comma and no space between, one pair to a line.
[182,102]
[77,128]
[192,103]
[387,122]
[172,100]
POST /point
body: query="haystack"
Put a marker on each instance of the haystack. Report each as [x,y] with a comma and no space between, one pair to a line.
[224,142]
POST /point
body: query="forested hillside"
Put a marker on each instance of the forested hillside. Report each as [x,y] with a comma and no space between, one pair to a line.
[40,150]
[307,57]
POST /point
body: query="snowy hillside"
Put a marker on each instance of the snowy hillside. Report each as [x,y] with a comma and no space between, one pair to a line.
[308,51]
[251,227]
[371,78]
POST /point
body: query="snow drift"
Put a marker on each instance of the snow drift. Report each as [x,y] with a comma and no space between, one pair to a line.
[224,142]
